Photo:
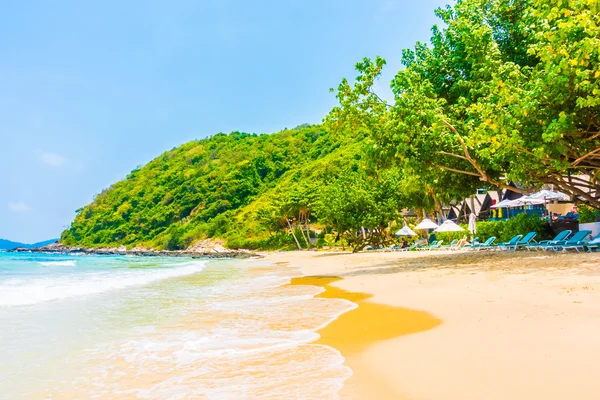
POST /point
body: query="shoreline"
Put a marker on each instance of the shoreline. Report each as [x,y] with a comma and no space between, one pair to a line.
[515,325]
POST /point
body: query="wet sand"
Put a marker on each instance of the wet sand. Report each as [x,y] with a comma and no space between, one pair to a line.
[513,325]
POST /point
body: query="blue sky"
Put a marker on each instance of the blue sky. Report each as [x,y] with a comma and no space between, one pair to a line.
[90,90]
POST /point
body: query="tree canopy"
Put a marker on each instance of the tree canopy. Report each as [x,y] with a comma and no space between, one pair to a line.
[508,90]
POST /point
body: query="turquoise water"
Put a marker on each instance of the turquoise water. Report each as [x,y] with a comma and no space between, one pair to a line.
[153,328]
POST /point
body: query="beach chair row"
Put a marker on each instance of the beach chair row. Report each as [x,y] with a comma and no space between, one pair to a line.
[563,241]
[436,245]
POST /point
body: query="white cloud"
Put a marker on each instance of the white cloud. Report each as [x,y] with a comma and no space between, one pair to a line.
[19,207]
[51,159]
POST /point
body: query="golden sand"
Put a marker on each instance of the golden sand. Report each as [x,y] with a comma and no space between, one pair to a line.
[369,322]
[516,326]
[356,329]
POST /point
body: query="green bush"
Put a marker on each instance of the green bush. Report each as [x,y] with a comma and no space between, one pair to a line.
[487,229]
[280,241]
[218,225]
[588,214]
[448,237]
[506,230]
[523,224]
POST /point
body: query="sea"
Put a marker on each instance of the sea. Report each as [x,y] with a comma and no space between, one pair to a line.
[100,327]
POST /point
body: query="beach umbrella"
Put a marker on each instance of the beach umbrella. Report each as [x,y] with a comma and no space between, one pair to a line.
[502,204]
[448,226]
[549,195]
[525,200]
[472,223]
[427,224]
[406,231]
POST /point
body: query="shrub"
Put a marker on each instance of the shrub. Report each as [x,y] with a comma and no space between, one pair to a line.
[218,225]
[487,229]
[280,241]
[506,230]
[588,214]
[523,224]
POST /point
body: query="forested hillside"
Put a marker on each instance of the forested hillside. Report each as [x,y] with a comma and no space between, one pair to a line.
[232,186]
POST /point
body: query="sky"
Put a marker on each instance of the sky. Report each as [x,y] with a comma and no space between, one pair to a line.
[91,90]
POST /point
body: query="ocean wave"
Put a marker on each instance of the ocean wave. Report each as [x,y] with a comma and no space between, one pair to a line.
[69,263]
[74,285]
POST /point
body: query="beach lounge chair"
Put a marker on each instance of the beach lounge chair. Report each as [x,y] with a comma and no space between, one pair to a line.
[436,246]
[470,244]
[426,247]
[450,246]
[524,241]
[570,216]
[577,241]
[411,247]
[563,235]
[485,245]
[386,249]
[593,245]
[510,244]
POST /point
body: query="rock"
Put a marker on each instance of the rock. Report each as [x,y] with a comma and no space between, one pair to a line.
[202,249]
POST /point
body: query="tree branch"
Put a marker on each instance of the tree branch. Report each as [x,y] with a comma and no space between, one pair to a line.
[580,159]
[456,170]
[451,155]
[572,189]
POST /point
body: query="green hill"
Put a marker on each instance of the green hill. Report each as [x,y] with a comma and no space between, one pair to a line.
[227,186]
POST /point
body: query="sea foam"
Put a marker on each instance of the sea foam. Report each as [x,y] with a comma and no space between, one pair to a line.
[47,288]
[69,263]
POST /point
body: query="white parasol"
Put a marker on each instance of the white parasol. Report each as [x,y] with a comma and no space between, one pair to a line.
[549,195]
[406,231]
[449,226]
[427,224]
[472,223]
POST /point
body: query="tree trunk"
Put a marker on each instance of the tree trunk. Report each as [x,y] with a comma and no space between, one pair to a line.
[307,226]
[292,231]
[302,232]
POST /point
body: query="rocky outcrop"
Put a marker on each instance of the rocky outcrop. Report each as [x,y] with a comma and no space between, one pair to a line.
[204,249]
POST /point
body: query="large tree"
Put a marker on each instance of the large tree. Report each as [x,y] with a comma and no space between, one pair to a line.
[508,90]
[360,207]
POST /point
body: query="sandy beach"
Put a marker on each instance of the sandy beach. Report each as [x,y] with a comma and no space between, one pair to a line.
[520,325]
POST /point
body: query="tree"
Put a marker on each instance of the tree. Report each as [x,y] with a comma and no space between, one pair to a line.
[509,90]
[360,207]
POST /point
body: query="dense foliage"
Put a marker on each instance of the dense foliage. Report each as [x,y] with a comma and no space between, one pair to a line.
[509,90]
[518,225]
[588,214]
[360,207]
[252,190]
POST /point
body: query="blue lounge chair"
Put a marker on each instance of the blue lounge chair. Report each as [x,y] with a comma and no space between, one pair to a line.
[427,247]
[545,243]
[570,216]
[593,246]
[524,241]
[413,246]
[577,241]
[511,243]
[436,246]
[474,242]
[485,245]
[450,246]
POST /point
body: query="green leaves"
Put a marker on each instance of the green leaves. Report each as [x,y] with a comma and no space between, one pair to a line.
[185,194]
[507,89]
[354,201]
